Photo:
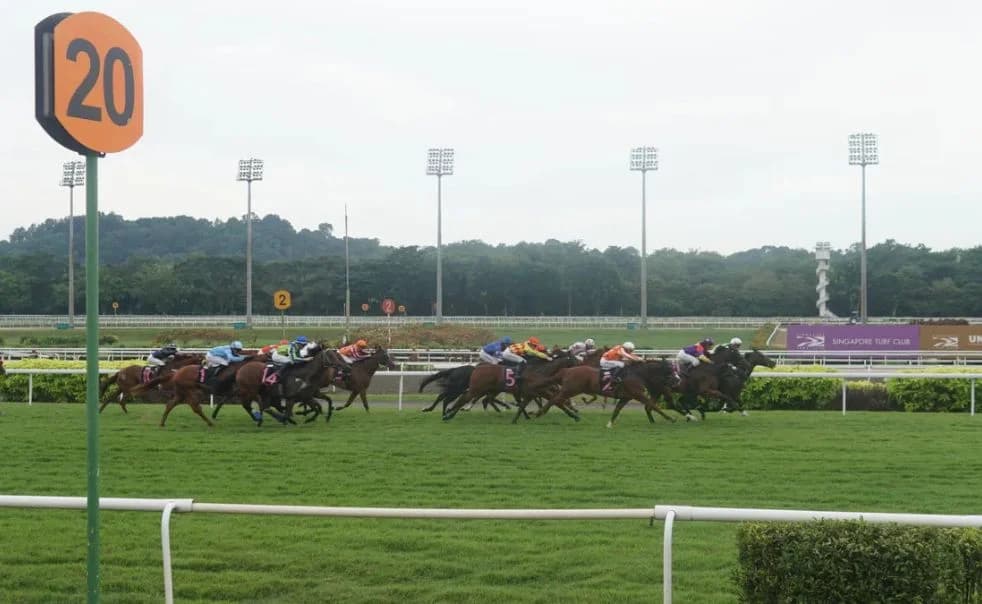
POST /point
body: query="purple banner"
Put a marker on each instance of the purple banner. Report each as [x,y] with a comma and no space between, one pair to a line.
[853,337]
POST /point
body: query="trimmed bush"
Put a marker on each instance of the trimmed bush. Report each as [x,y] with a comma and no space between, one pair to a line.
[923,394]
[869,396]
[49,388]
[791,393]
[845,561]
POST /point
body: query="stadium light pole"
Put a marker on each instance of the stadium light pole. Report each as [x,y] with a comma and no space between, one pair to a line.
[642,160]
[249,170]
[72,175]
[347,281]
[863,151]
[439,163]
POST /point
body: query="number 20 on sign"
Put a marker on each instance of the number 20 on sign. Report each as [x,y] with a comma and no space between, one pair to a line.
[88,74]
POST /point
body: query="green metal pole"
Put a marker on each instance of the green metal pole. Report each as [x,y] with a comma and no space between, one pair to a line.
[92,368]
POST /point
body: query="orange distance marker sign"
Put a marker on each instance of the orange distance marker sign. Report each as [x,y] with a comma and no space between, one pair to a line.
[88,80]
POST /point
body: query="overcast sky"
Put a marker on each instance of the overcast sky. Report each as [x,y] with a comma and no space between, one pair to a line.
[750,104]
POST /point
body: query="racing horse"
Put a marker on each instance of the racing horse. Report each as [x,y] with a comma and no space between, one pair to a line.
[719,379]
[188,386]
[299,383]
[494,379]
[358,377]
[128,378]
[644,382]
[733,384]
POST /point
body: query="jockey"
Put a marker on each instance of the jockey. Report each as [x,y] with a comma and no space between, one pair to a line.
[491,353]
[691,356]
[616,357]
[581,349]
[354,352]
[517,353]
[736,343]
[221,356]
[293,353]
[159,358]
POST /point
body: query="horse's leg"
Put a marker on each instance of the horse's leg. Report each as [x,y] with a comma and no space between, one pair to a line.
[330,407]
[650,403]
[348,402]
[196,407]
[457,404]
[568,410]
[617,411]
[364,399]
[218,407]
[436,402]
[167,410]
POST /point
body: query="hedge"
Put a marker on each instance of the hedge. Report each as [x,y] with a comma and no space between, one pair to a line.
[854,561]
[791,393]
[49,388]
[924,394]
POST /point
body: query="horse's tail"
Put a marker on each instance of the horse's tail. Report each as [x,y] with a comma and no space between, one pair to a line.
[439,375]
[105,382]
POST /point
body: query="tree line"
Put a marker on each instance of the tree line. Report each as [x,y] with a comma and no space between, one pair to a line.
[182,265]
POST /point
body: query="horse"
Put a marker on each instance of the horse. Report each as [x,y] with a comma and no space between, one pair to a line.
[708,379]
[2,370]
[638,380]
[453,384]
[493,379]
[297,384]
[733,385]
[359,376]
[187,385]
[128,378]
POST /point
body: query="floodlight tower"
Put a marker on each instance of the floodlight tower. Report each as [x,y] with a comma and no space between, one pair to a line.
[249,170]
[72,175]
[863,152]
[439,163]
[642,160]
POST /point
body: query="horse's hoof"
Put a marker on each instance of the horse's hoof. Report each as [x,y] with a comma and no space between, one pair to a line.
[744,413]
[610,424]
[691,418]
[258,416]
[576,418]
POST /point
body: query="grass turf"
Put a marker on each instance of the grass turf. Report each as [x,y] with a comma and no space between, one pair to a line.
[863,461]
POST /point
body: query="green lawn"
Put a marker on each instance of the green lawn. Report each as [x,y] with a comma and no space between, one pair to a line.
[863,461]
[646,338]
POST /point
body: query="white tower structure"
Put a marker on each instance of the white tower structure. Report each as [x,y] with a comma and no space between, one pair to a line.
[823,254]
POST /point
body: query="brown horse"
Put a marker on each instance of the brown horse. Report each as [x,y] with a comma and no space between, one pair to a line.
[637,381]
[298,384]
[128,378]
[2,370]
[188,387]
[731,380]
[707,380]
[487,380]
[358,377]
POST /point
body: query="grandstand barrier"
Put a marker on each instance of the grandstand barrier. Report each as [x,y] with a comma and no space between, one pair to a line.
[667,513]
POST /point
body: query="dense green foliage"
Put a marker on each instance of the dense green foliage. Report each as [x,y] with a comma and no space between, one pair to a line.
[890,462]
[181,265]
[858,562]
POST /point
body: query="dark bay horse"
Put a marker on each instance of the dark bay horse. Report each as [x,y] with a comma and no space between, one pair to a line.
[638,380]
[359,377]
[723,379]
[300,383]
[453,384]
[487,380]
[128,378]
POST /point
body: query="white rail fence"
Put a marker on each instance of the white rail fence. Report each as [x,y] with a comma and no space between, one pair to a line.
[460,355]
[668,513]
[845,376]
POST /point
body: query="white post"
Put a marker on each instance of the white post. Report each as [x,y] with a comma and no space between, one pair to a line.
[30,388]
[211,401]
[401,378]
[973,397]
[165,545]
[843,396]
[666,555]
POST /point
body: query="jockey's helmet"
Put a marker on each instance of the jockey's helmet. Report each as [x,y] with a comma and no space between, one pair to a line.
[361,344]
[736,342]
[707,342]
[629,346]
[534,341]
[506,341]
[236,345]
[301,340]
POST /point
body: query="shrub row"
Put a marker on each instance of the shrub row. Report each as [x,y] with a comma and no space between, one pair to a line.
[49,388]
[846,561]
[71,340]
